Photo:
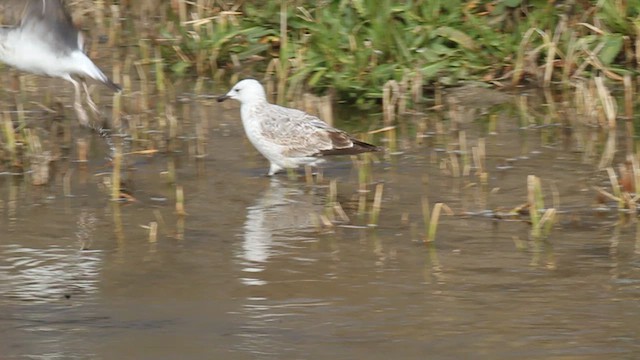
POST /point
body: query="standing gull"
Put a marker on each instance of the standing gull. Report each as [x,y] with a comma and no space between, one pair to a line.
[288,138]
[46,42]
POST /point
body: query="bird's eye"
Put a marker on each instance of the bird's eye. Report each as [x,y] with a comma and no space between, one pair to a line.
[237,90]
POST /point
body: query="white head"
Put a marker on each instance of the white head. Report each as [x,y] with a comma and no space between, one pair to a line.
[246,91]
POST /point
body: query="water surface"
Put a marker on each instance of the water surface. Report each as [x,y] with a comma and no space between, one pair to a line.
[248,274]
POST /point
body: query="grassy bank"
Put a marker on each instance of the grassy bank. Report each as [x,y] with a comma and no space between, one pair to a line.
[352,48]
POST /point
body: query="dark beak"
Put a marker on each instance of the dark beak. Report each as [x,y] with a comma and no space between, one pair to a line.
[222,98]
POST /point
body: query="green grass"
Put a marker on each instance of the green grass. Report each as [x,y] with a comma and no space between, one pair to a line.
[351,48]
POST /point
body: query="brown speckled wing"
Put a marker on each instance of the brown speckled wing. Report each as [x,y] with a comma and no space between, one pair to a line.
[299,133]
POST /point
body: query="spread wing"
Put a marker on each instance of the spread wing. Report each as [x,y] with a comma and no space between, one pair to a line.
[49,20]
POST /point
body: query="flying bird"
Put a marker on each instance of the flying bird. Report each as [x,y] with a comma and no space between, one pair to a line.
[287,137]
[46,42]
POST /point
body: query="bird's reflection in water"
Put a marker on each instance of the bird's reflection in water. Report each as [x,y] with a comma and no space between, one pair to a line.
[277,229]
[274,223]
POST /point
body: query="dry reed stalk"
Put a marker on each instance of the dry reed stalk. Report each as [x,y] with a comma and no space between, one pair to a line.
[609,150]
[552,50]
[273,68]
[333,192]
[117,224]
[180,210]
[308,175]
[337,208]
[292,174]
[98,11]
[635,168]
[38,159]
[583,66]
[570,59]
[377,204]
[180,222]
[547,220]
[172,122]
[594,61]
[636,249]
[153,232]
[636,27]
[19,96]
[66,182]
[433,223]
[202,132]
[404,218]
[116,114]
[126,71]
[159,65]
[162,224]
[426,215]
[116,175]
[549,63]
[518,71]
[319,175]
[454,164]
[438,97]
[402,94]
[10,137]
[534,199]
[325,221]
[615,187]
[540,225]
[416,87]
[362,199]
[464,152]
[607,101]
[284,53]
[629,97]
[143,103]
[331,201]
[82,150]
[114,26]
[325,109]
[555,195]
[579,98]
[390,97]
[480,155]
[134,125]
[360,164]
[171,170]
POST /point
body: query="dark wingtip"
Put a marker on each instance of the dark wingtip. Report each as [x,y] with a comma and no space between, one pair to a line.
[113,86]
[358,147]
[366,147]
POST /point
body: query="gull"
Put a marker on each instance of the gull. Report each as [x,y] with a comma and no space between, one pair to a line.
[46,42]
[287,137]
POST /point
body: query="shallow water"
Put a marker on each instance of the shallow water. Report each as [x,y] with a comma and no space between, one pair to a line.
[247,274]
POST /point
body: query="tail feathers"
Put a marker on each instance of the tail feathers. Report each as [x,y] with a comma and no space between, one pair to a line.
[86,67]
[111,85]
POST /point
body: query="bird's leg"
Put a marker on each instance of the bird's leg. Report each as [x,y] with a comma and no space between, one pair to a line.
[82,113]
[83,118]
[92,105]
